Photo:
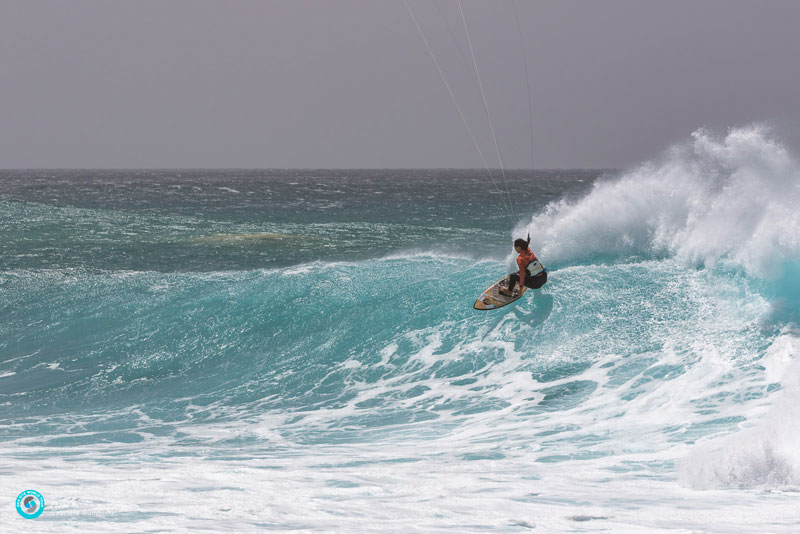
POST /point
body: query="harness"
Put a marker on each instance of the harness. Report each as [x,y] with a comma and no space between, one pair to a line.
[530,262]
[535,267]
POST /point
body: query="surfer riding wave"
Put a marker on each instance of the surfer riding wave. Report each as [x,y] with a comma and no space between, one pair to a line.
[531,272]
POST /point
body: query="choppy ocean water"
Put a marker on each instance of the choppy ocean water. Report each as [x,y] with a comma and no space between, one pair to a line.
[296,350]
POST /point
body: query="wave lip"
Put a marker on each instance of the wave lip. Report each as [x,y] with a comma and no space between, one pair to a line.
[730,199]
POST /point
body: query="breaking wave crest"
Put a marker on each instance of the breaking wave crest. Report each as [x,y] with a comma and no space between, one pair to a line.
[718,199]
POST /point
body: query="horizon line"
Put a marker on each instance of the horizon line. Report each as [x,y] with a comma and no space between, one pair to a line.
[480,169]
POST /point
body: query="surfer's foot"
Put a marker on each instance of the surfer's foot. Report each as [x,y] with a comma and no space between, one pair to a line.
[506,292]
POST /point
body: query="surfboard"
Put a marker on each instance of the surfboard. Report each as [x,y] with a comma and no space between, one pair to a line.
[492,299]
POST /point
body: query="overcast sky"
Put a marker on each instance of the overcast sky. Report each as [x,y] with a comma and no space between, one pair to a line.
[349,83]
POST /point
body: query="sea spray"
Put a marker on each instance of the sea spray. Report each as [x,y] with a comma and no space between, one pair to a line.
[731,199]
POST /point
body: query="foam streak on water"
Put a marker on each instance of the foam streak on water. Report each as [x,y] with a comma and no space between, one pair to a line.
[650,386]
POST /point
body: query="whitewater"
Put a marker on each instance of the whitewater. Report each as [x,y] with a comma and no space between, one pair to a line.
[247,351]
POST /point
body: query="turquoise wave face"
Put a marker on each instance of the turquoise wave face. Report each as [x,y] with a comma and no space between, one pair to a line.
[384,342]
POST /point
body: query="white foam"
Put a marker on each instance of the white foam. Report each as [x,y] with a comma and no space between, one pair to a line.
[416,253]
[766,454]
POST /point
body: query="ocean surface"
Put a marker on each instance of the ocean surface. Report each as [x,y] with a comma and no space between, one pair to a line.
[296,350]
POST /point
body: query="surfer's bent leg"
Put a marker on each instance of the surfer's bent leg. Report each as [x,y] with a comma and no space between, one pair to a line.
[513,280]
[535,282]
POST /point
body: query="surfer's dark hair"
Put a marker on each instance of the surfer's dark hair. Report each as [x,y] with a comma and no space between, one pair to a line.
[522,243]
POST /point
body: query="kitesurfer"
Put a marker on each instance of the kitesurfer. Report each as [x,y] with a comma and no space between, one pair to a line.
[531,272]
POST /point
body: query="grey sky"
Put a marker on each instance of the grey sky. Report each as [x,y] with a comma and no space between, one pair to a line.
[348,83]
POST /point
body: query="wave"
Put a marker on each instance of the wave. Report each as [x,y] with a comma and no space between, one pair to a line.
[727,205]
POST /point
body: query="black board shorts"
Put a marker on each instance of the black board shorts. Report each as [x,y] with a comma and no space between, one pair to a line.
[533,282]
